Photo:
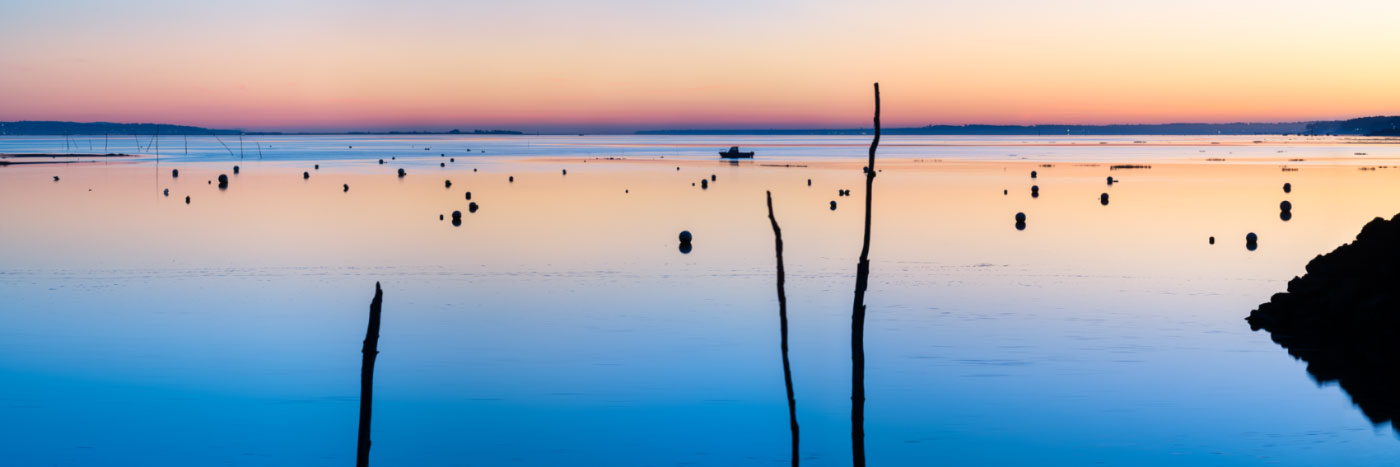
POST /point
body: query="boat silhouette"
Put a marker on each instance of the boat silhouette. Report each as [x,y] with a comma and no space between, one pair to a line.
[733,153]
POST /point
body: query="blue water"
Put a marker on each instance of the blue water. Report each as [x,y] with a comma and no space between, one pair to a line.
[559,325]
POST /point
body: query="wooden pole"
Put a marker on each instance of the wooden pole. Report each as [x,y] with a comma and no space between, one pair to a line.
[369,352]
[858,310]
[783,330]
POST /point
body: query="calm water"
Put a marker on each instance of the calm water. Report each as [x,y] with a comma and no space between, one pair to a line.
[559,325]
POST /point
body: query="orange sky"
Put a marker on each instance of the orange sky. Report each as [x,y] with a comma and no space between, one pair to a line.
[623,64]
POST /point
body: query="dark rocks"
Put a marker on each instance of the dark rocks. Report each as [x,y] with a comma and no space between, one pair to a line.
[402,173]
[1212,240]
[1343,319]
[167,192]
[456,215]
[55,178]
[1103,199]
[512,179]
[833,205]
[187,200]
[564,171]
[1035,191]
[347,187]
[1004,192]
[704,184]
[381,162]
[223,181]
[235,170]
[712,177]
[1111,180]
[452,159]
[685,236]
[469,196]
[305,175]
[1251,241]
[439,216]
[318,167]
[1287,187]
[442,164]
[447,183]
[809,182]
[1020,217]
[1285,206]
[471,207]
[1285,210]
[1033,174]
[175,173]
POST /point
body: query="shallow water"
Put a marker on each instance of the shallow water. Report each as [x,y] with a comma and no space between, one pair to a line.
[559,325]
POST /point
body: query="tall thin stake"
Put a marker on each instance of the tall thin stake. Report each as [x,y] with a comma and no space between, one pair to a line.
[858,310]
[370,350]
[783,330]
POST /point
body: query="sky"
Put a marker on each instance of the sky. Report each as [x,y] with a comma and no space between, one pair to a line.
[616,65]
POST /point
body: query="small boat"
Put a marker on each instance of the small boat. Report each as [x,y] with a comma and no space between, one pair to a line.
[733,153]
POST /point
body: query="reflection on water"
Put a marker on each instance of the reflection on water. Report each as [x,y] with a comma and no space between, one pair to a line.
[560,325]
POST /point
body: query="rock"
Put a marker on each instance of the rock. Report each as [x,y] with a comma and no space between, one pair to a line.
[1110,180]
[347,187]
[1287,187]
[456,215]
[439,216]
[55,178]
[167,192]
[223,181]
[1285,206]
[471,207]
[704,184]
[402,173]
[442,164]
[1004,192]
[1020,217]
[447,183]
[318,167]
[1212,240]
[809,182]
[175,173]
[564,171]
[833,205]
[512,179]
[1103,199]
[305,175]
[1020,226]
[187,200]
[235,170]
[685,248]
[1285,215]
[1033,174]
[712,177]
[469,196]
[452,159]
[1342,318]
[381,162]
[685,236]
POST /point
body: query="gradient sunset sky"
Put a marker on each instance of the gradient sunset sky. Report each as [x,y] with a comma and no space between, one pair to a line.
[625,64]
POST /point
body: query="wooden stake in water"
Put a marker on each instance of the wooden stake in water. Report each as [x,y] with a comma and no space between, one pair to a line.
[370,350]
[783,330]
[858,310]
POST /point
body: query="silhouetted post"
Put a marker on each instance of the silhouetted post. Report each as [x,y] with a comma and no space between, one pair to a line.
[370,351]
[858,311]
[783,329]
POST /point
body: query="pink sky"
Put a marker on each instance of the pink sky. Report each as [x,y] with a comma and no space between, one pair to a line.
[623,64]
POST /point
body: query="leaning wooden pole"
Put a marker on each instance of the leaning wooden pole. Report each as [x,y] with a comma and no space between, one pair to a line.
[858,310]
[783,330]
[370,351]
